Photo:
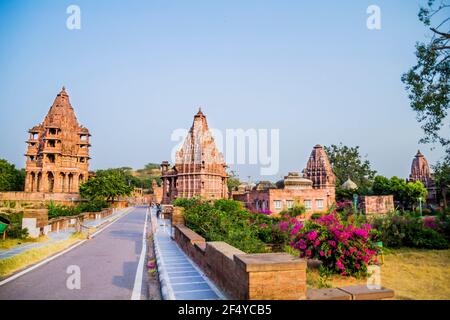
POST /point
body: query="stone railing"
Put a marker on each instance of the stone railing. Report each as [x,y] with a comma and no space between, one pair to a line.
[273,276]
[62,223]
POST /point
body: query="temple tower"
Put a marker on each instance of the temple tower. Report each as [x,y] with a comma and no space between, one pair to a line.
[318,169]
[199,169]
[58,150]
[420,171]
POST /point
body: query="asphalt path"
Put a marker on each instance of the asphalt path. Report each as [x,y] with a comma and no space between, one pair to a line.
[104,267]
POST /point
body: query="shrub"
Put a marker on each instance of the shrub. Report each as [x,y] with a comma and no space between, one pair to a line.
[295,211]
[224,220]
[407,230]
[342,247]
[92,206]
[15,231]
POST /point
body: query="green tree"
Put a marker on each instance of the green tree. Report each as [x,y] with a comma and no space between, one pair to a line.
[233,181]
[406,193]
[108,184]
[11,179]
[346,162]
[442,179]
[428,82]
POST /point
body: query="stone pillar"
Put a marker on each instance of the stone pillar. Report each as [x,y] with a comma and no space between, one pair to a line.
[44,182]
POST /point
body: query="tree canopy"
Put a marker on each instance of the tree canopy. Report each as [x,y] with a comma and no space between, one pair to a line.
[428,82]
[108,184]
[406,193]
[11,179]
[442,179]
[346,162]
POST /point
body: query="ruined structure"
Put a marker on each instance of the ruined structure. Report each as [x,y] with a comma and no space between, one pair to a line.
[58,151]
[315,190]
[420,171]
[199,169]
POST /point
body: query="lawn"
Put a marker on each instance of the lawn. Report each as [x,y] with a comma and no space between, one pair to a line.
[32,256]
[11,243]
[414,274]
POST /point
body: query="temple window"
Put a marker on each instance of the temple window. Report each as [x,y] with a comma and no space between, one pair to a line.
[307,204]
[51,158]
[319,203]
[51,143]
[52,131]
[83,137]
[277,204]
[82,160]
[289,204]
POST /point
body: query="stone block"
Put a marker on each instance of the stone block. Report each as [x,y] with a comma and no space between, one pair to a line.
[362,292]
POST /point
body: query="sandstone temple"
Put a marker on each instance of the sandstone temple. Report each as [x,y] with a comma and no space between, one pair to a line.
[199,169]
[420,171]
[58,151]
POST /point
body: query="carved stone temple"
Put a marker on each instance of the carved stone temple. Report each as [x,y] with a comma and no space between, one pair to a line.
[58,150]
[199,169]
[420,171]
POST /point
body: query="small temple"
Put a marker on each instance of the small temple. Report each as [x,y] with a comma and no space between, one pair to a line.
[420,171]
[58,151]
[199,169]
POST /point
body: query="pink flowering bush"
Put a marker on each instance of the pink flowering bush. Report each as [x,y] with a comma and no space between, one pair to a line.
[343,247]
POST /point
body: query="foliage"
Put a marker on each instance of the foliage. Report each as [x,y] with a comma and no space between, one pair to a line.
[428,82]
[442,179]
[107,185]
[227,220]
[295,211]
[406,193]
[397,230]
[233,181]
[15,230]
[11,179]
[342,246]
[348,163]
[95,205]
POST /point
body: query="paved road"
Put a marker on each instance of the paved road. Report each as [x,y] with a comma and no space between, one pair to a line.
[108,265]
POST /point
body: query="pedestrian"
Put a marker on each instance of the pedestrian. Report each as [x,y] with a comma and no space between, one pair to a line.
[158,210]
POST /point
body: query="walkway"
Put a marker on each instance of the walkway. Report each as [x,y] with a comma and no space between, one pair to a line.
[57,236]
[180,278]
[110,266]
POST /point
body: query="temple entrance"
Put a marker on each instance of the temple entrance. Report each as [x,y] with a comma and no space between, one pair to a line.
[51,181]
[38,182]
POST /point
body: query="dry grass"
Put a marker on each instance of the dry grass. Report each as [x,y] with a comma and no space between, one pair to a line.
[32,256]
[413,274]
[11,243]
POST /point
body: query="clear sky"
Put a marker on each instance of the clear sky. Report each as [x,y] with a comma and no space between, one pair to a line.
[138,70]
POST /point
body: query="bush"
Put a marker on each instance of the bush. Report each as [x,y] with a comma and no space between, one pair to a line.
[342,247]
[15,231]
[93,206]
[55,211]
[407,230]
[224,220]
[295,211]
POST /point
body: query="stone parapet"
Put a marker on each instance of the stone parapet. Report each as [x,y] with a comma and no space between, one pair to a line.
[274,276]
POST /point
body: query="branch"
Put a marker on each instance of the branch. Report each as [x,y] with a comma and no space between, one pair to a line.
[445,35]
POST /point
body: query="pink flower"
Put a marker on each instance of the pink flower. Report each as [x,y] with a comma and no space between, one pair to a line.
[311,236]
[284,226]
[340,265]
[322,253]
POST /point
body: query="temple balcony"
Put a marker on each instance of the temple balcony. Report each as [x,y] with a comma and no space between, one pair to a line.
[50,150]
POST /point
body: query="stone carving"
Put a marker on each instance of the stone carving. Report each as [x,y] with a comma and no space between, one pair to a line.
[58,150]
[199,169]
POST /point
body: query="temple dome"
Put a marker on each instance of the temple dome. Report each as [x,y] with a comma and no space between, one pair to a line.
[295,181]
[349,185]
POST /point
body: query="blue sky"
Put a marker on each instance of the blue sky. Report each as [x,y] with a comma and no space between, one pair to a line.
[137,70]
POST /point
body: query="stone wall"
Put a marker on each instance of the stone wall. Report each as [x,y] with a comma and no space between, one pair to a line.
[21,198]
[267,276]
[378,204]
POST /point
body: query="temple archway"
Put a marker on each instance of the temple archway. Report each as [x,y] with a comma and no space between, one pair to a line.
[51,181]
[62,178]
[38,182]
[70,182]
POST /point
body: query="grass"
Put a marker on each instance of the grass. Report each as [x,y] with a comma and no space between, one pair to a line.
[9,243]
[414,274]
[32,256]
